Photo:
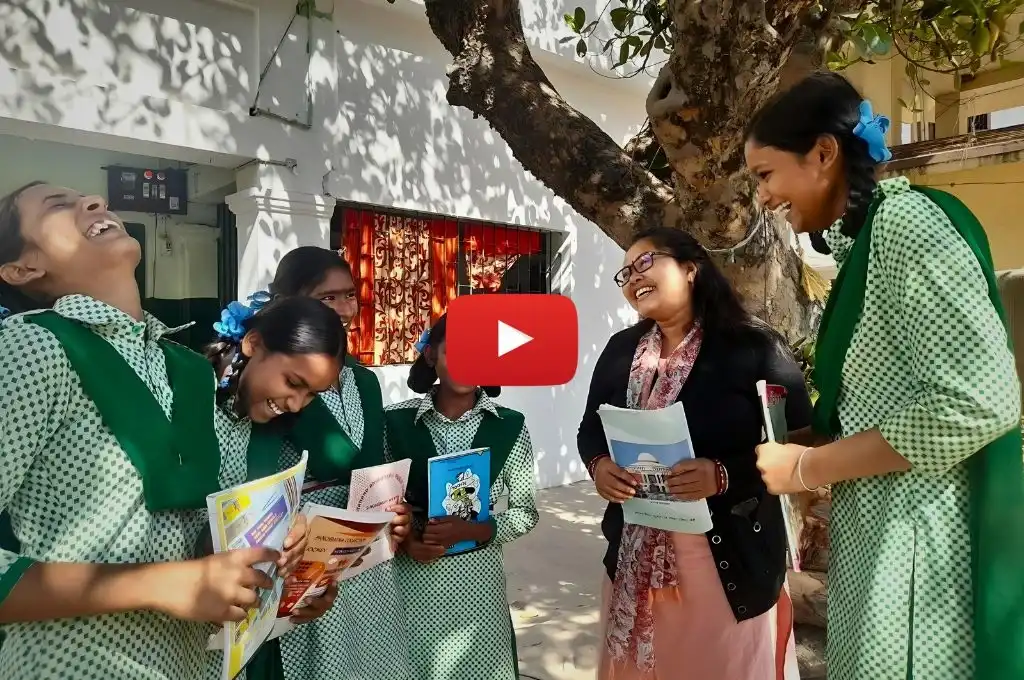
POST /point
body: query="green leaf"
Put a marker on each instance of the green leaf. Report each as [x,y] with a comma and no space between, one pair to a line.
[580,17]
[623,53]
[570,21]
[566,40]
[659,42]
[646,49]
[581,48]
[619,17]
[981,40]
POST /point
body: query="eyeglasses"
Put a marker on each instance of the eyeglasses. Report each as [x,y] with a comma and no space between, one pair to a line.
[642,263]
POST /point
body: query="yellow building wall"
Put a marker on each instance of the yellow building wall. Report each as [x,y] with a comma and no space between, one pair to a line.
[995,193]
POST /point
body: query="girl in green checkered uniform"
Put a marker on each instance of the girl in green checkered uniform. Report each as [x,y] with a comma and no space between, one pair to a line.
[110,447]
[917,423]
[456,609]
[362,636]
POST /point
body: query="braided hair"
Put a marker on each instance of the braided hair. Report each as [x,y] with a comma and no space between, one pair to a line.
[287,325]
[822,104]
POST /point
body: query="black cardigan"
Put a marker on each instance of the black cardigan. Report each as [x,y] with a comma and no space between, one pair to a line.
[748,538]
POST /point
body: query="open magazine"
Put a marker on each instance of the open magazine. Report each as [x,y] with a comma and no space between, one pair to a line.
[257,513]
[375,489]
[648,443]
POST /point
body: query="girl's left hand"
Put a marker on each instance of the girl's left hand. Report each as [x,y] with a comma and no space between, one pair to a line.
[693,480]
[294,546]
[317,607]
[447,531]
[402,523]
[777,463]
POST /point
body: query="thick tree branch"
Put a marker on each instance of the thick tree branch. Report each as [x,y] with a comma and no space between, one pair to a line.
[495,76]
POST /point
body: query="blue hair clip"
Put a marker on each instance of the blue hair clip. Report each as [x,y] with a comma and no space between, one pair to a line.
[4,312]
[233,317]
[421,344]
[872,129]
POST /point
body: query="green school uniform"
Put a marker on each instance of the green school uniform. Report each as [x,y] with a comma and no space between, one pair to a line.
[456,610]
[362,636]
[77,492]
[927,364]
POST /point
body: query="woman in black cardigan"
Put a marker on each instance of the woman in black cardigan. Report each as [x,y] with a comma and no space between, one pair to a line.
[677,605]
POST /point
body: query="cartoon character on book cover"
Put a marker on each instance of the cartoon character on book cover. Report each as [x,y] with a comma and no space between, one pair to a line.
[462,498]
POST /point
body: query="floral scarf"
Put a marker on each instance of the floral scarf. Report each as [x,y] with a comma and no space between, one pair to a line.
[647,558]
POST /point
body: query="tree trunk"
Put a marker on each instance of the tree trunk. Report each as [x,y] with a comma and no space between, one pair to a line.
[728,58]
[737,57]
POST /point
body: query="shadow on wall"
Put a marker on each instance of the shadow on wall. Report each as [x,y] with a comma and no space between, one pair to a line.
[383,133]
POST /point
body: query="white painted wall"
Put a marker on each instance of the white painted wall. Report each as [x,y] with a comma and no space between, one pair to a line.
[82,169]
[176,80]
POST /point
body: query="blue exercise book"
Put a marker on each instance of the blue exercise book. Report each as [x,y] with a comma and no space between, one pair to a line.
[459,485]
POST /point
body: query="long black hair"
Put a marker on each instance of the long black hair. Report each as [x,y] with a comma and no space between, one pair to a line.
[12,245]
[715,304]
[422,375]
[301,270]
[822,104]
[287,325]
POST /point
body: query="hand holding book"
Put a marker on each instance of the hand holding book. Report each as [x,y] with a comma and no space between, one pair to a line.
[449,531]
[614,483]
[294,546]
[693,480]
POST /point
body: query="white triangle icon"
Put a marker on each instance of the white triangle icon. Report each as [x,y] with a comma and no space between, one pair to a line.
[510,338]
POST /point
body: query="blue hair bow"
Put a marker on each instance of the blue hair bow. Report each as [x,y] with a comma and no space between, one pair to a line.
[421,344]
[233,317]
[872,129]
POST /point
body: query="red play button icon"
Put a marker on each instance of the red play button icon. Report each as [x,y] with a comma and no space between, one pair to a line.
[508,340]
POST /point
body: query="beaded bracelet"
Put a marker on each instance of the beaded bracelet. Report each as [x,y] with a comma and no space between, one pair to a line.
[592,465]
[721,478]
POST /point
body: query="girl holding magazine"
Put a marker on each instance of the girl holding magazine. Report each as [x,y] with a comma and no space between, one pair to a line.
[455,604]
[679,606]
[273,358]
[917,423]
[111,444]
[362,635]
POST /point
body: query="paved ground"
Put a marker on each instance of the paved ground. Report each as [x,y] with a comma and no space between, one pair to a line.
[554,590]
[554,585]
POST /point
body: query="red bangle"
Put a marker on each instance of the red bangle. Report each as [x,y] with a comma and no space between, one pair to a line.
[721,478]
[592,465]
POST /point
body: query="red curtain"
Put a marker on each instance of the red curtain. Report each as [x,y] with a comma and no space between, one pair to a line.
[406,271]
[491,251]
[401,265]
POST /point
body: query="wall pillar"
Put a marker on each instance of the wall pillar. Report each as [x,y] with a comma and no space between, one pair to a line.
[269,224]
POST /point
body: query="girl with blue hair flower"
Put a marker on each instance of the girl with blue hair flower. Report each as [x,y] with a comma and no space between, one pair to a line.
[272,358]
[917,423]
[362,634]
[111,443]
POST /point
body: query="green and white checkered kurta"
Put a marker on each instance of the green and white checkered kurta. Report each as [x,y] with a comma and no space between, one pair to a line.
[456,608]
[929,367]
[74,496]
[362,637]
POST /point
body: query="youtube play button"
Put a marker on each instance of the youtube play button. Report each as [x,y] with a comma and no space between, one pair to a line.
[510,338]
[506,340]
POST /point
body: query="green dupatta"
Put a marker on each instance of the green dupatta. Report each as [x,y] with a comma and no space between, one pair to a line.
[332,453]
[996,474]
[410,438]
[178,459]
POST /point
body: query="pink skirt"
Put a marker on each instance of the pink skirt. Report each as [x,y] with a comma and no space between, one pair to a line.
[696,635]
